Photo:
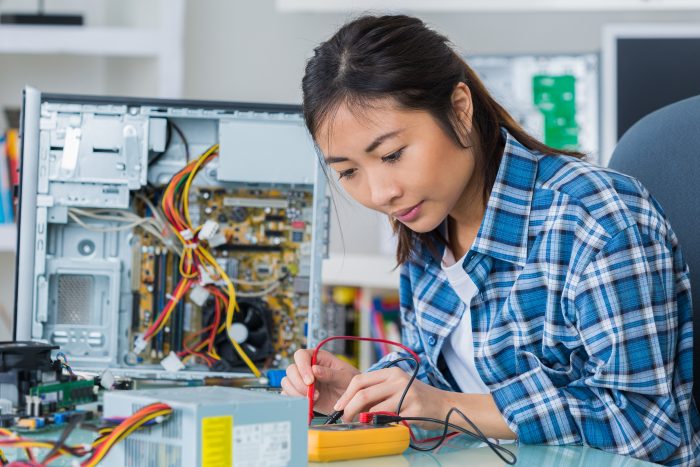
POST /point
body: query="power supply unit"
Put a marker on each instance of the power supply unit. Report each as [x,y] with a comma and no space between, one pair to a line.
[212,426]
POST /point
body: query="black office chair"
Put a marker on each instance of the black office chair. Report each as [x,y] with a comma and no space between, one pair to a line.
[662,150]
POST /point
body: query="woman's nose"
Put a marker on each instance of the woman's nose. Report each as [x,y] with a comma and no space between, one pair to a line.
[383,191]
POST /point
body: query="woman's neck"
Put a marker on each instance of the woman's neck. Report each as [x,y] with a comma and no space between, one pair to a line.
[461,237]
[465,219]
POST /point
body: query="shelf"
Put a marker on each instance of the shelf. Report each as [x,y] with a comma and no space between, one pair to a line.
[80,40]
[361,271]
[483,5]
[8,238]
[162,42]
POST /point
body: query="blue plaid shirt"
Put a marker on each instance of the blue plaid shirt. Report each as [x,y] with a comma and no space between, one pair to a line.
[582,321]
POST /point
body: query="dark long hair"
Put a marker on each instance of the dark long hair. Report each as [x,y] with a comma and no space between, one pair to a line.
[398,57]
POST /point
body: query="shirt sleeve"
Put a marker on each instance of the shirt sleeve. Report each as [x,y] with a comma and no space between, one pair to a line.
[625,309]
[409,334]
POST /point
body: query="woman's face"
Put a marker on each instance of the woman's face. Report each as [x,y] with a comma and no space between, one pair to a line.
[399,162]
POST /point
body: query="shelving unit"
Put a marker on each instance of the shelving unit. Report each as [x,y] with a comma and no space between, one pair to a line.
[163,43]
[374,275]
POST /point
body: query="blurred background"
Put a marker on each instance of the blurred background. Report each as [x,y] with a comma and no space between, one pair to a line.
[576,73]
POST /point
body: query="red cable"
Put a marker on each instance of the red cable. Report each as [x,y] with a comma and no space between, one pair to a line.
[178,293]
[312,387]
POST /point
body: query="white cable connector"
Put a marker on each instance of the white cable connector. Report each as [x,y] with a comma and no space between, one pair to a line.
[198,295]
[217,240]
[187,234]
[206,275]
[139,344]
[208,230]
[172,363]
[107,379]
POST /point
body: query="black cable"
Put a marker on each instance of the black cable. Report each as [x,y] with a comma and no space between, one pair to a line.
[75,420]
[410,381]
[333,417]
[184,140]
[181,134]
[496,448]
[510,459]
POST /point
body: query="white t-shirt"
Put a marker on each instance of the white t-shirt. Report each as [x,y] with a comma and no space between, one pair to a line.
[458,349]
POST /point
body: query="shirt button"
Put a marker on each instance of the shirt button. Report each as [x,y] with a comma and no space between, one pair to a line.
[431,340]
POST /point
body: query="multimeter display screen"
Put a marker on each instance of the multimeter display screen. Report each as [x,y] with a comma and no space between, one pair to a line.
[346,427]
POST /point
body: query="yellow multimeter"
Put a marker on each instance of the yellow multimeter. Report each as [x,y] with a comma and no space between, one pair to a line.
[345,441]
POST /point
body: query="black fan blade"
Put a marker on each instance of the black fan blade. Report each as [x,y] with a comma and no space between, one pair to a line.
[252,319]
[257,338]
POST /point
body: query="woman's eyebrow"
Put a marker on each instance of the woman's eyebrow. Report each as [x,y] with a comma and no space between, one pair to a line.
[379,140]
[334,159]
[372,146]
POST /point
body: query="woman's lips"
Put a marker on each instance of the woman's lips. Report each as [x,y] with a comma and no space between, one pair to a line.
[410,214]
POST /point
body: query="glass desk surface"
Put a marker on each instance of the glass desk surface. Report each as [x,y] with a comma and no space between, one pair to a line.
[456,452]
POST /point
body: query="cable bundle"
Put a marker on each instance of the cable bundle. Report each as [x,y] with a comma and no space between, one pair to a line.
[220,303]
[109,437]
[196,261]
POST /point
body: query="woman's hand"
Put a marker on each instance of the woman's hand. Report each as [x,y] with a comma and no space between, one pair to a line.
[331,374]
[381,390]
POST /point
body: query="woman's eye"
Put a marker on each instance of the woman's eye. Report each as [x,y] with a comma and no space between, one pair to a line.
[346,174]
[393,157]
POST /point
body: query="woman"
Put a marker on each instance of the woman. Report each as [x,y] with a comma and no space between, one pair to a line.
[546,297]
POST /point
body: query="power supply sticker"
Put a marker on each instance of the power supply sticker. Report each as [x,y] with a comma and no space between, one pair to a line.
[216,441]
[262,444]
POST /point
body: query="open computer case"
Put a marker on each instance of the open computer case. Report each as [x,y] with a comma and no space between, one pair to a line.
[116,191]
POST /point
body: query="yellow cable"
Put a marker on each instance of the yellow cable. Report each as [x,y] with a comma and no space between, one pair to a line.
[178,294]
[104,450]
[232,305]
[202,344]
[190,177]
[230,309]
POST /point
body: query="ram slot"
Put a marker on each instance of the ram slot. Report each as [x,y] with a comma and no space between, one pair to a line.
[162,278]
[156,309]
[176,321]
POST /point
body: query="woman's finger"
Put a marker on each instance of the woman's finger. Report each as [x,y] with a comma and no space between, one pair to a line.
[302,358]
[295,379]
[288,389]
[359,382]
[369,397]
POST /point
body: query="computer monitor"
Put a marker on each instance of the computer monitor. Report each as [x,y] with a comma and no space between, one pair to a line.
[645,67]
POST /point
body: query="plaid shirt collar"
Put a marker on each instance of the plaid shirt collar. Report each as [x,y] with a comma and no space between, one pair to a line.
[504,229]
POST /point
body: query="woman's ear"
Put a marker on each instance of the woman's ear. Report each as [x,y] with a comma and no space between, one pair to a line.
[463,110]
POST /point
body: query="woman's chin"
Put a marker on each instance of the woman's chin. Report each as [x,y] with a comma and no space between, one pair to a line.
[422,225]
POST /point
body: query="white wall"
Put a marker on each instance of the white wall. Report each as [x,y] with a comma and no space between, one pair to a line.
[247,51]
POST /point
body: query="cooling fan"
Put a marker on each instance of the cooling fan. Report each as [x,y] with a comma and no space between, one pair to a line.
[252,330]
